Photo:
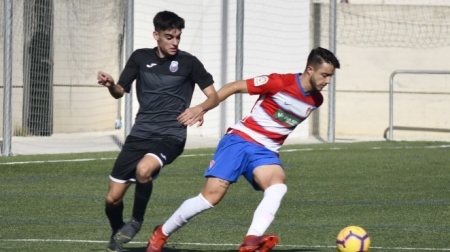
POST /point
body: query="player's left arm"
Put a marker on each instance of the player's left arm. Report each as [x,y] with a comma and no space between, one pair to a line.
[205,81]
[195,114]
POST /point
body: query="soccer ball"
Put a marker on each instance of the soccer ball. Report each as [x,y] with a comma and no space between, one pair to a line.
[353,239]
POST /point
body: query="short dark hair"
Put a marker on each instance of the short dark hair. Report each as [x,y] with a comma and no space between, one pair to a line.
[320,55]
[167,20]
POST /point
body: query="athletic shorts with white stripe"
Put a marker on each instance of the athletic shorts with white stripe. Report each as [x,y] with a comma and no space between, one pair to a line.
[166,150]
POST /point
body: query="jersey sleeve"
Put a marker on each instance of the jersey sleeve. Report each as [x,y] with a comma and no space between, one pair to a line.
[129,72]
[199,74]
[265,84]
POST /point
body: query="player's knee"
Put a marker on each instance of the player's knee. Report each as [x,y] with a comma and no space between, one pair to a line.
[207,203]
[146,170]
[112,201]
[212,199]
[145,174]
[214,190]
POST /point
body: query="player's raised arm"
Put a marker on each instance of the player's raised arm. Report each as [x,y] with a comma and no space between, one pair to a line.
[106,80]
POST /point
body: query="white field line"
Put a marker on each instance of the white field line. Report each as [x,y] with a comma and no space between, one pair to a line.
[210,154]
[216,244]
[213,244]
[55,161]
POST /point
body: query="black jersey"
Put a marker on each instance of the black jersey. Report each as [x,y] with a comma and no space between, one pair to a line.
[164,89]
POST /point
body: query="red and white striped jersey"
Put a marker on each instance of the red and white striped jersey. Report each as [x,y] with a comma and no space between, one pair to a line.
[281,106]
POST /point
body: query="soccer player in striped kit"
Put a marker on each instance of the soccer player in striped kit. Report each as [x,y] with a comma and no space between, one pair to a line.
[285,100]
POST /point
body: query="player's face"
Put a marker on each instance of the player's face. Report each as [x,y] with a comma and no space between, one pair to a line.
[168,41]
[320,76]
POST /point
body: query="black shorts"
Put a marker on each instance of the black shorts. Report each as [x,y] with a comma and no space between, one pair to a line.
[135,148]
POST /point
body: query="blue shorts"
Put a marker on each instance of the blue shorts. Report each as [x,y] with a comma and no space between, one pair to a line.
[236,156]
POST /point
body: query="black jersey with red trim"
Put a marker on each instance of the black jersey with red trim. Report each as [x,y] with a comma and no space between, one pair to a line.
[164,89]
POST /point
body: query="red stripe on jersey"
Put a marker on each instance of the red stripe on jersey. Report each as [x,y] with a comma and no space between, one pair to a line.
[245,136]
[274,109]
[253,125]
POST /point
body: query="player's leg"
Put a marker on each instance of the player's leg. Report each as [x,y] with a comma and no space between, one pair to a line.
[211,194]
[133,226]
[214,189]
[148,167]
[114,211]
[159,153]
[268,176]
[142,194]
[221,173]
[114,203]
[122,175]
[271,181]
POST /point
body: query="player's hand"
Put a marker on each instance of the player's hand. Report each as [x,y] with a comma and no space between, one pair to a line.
[105,79]
[191,116]
[200,119]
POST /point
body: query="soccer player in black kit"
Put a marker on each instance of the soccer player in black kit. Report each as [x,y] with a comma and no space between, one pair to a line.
[165,80]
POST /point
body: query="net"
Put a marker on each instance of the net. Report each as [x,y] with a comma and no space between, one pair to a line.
[58,47]
[374,39]
[401,23]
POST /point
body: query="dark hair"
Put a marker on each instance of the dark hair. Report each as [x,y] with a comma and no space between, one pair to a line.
[167,20]
[320,55]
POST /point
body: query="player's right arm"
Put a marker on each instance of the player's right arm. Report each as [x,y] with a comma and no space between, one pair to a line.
[106,80]
[226,91]
[231,88]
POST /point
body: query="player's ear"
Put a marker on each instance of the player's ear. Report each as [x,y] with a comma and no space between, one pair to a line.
[156,35]
[310,70]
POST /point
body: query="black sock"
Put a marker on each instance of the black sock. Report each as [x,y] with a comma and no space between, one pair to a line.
[141,197]
[115,216]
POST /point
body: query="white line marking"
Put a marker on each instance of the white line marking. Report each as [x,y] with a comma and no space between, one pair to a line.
[197,155]
[214,244]
[55,161]
[210,154]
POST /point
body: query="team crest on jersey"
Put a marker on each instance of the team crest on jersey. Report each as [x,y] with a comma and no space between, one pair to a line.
[260,80]
[173,66]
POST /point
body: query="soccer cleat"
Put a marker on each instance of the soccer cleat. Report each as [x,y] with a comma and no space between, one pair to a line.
[128,231]
[253,243]
[157,241]
[114,246]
